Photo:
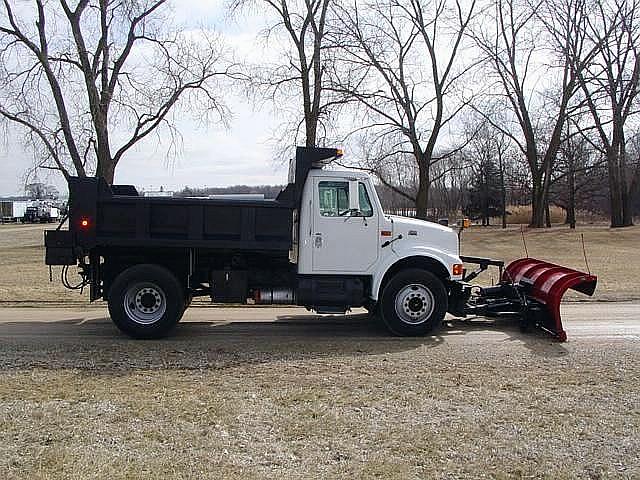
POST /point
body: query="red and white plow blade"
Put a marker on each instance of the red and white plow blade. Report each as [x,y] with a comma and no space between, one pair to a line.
[546,283]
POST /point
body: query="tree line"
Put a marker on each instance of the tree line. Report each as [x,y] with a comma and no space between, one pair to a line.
[451,104]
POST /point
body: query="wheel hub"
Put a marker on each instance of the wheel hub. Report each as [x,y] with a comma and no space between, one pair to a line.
[145,303]
[148,300]
[414,304]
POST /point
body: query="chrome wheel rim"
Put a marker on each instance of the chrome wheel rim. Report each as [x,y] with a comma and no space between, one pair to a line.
[414,304]
[145,303]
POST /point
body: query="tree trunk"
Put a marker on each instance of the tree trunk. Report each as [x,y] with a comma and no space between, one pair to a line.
[485,198]
[634,191]
[537,202]
[547,214]
[310,132]
[615,193]
[106,164]
[503,190]
[107,170]
[571,203]
[422,199]
[627,216]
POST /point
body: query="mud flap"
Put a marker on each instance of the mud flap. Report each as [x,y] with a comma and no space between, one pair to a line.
[545,284]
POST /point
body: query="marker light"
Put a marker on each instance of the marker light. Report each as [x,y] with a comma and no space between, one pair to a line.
[84,223]
[457,269]
[339,152]
[385,233]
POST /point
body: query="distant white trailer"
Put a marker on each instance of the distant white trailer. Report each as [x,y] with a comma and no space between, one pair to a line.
[157,193]
[19,209]
[12,210]
[54,214]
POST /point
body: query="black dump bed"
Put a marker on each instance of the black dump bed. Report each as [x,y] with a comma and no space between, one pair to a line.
[101,215]
[104,215]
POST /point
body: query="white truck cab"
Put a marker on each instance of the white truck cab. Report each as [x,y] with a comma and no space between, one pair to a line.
[343,230]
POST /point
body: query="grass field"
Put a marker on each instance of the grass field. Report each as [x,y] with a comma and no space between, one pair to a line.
[335,401]
[611,253]
[24,278]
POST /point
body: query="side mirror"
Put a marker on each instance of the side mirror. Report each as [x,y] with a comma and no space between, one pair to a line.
[354,197]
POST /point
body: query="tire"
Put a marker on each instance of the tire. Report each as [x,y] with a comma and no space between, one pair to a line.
[413,303]
[187,301]
[146,301]
[371,307]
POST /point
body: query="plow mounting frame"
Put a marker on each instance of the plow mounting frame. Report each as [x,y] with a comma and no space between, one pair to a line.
[529,289]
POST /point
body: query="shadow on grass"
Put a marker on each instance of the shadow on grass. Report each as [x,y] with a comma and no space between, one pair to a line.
[538,342]
[98,345]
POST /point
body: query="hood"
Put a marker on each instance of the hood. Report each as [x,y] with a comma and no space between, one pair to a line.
[423,232]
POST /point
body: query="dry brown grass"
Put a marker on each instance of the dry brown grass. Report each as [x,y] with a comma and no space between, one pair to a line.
[522,214]
[326,407]
[23,275]
[612,253]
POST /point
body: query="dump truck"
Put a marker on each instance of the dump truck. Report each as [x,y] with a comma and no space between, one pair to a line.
[324,243]
[40,212]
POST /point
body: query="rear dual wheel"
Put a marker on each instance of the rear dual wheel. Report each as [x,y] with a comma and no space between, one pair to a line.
[146,301]
[413,303]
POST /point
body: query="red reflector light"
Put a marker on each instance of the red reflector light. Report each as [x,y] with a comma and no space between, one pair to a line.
[84,223]
[385,233]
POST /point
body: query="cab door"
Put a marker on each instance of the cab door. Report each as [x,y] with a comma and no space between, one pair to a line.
[344,239]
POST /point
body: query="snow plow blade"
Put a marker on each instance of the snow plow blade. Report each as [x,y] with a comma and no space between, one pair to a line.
[543,285]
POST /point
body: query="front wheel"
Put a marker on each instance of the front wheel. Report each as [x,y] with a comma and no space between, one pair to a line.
[146,301]
[413,303]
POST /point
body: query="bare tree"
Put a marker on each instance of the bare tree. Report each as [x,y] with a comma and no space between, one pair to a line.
[634,157]
[450,176]
[41,191]
[89,80]
[611,84]
[578,174]
[301,75]
[487,151]
[402,66]
[521,33]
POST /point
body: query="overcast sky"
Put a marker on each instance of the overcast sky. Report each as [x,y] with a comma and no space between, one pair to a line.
[210,156]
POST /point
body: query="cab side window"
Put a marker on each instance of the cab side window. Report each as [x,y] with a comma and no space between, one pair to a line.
[366,210]
[334,198]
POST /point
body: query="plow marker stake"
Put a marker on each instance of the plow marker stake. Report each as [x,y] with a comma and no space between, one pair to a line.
[546,283]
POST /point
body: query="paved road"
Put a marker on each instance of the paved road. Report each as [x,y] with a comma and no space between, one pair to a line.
[583,321]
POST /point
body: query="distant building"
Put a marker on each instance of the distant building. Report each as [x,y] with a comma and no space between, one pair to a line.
[157,193]
[237,196]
